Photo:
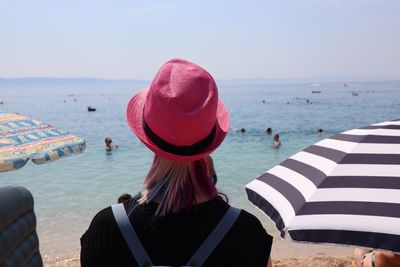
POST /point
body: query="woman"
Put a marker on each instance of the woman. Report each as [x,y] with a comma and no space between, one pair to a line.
[180,118]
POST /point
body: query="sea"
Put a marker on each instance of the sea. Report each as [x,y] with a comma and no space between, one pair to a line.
[70,191]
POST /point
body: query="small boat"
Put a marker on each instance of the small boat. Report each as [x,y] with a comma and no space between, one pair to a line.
[90,109]
[355,93]
[316,92]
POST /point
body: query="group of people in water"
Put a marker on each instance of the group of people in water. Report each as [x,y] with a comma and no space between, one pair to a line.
[179,218]
[277,142]
[276,139]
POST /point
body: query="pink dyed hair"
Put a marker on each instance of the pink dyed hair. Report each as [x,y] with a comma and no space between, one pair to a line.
[176,185]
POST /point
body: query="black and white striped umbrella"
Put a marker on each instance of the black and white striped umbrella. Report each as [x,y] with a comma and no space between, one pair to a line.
[342,190]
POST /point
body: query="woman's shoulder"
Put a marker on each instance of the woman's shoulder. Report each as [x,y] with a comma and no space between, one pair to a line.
[246,226]
[252,225]
[255,242]
[247,242]
[105,216]
[101,223]
[248,218]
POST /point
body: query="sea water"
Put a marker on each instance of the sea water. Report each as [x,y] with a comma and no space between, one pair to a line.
[69,192]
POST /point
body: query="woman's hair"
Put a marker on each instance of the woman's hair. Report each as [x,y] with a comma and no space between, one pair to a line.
[175,185]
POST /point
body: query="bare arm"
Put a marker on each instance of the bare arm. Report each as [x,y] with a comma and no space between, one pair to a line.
[387,259]
[382,259]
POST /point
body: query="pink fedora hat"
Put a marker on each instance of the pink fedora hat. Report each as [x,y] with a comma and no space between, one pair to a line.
[179,116]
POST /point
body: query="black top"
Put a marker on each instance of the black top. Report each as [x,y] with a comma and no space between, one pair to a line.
[173,239]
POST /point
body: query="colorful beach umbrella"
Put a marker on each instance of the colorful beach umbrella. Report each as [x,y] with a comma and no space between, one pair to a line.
[341,190]
[22,138]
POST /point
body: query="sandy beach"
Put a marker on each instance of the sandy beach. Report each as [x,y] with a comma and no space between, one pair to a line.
[315,261]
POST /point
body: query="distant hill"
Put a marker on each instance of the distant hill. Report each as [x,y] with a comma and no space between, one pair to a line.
[45,82]
[321,79]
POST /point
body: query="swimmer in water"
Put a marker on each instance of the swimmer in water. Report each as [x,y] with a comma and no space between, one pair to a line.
[109,145]
[277,141]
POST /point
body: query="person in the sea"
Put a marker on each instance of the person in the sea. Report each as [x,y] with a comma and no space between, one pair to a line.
[269,131]
[241,130]
[277,141]
[320,131]
[373,258]
[181,119]
[109,144]
[124,197]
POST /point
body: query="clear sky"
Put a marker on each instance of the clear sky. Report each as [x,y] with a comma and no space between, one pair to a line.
[232,39]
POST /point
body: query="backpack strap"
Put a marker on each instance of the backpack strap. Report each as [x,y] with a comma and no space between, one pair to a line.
[212,241]
[136,247]
[202,253]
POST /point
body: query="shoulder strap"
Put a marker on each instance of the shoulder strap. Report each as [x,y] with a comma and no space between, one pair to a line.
[212,241]
[201,255]
[136,247]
